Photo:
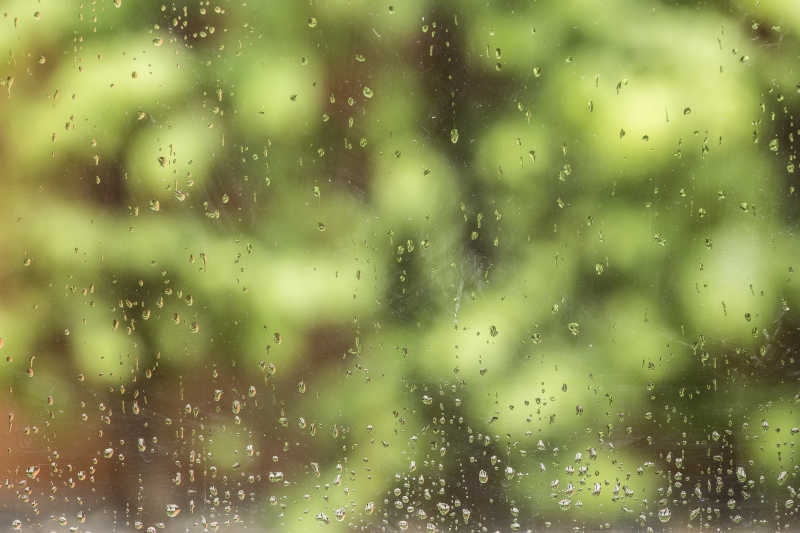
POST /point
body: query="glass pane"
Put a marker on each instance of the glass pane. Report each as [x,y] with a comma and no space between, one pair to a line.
[351,265]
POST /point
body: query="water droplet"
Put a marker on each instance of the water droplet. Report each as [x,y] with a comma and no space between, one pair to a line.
[172,510]
[774,145]
[32,471]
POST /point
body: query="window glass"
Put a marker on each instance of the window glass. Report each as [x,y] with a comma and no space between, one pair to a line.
[383,265]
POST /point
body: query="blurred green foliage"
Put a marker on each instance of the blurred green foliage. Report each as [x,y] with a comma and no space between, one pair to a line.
[413,241]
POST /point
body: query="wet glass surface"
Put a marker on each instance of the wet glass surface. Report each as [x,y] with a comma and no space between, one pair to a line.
[355,265]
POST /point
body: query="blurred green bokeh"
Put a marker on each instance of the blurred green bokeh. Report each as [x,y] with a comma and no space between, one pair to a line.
[407,243]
